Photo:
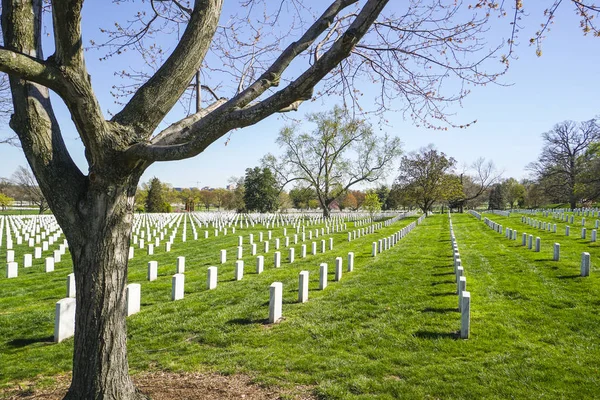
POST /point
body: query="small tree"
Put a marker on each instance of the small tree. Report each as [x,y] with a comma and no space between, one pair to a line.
[514,192]
[156,201]
[322,160]
[261,193]
[372,203]
[5,201]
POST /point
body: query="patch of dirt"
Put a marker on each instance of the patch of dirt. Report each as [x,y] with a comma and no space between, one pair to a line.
[169,386]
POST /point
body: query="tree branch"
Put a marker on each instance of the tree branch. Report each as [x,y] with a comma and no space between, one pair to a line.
[229,116]
[30,68]
[34,121]
[66,16]
[156,97]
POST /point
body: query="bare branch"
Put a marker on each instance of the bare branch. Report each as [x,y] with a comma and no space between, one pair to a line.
[156,97]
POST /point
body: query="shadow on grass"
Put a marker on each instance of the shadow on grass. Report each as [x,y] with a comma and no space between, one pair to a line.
[440,310]
[442,266]
[443,294]
[17,343]
[437,335]
[568,276]
[441,283]
[248,321]
[444,273]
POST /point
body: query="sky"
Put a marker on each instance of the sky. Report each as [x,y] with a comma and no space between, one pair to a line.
[538,92]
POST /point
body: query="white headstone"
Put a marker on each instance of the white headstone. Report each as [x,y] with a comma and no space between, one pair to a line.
[27,260]
[260,264]
[12,269]
[585,264]
[49,264]
[350,261]
[275,302]
[322,276]
[152,270]
[211,279]
[177,284]
[223,256]
[64,319]
[338,269]
[239,270]
[303,287]
[277,259]
[180,264]
[71,290]
[134,296]
[465,316]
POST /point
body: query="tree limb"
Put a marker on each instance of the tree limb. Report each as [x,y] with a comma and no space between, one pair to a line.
[156,97]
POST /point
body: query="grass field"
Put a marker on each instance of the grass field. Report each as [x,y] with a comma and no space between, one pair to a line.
[387,330]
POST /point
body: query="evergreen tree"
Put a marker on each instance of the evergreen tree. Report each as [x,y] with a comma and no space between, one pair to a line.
[261,192]
[155,200]
[496,201]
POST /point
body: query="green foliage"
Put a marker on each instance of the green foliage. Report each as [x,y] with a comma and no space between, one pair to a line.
[5,201]
[514,192]
[301,196]
[372,204]
[261,193]
[156,201]
[568,167]
[496,200]
[383,192]
[426,177]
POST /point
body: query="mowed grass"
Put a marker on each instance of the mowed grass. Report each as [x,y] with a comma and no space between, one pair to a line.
[387,330]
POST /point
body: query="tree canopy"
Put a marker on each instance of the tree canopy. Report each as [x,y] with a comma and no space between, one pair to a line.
[425,176]
[261,193]
[339,153]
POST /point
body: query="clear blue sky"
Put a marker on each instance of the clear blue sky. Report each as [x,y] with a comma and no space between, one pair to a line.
[560,85]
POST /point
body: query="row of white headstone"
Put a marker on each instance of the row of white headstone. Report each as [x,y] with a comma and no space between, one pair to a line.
[65,308]
[390,241]
[527,240]
[464,297]
[12,267]
[475,214]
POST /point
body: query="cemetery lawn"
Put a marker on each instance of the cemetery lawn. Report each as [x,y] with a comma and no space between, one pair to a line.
[388,330]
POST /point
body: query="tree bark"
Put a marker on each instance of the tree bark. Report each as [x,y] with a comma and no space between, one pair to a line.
[100,364]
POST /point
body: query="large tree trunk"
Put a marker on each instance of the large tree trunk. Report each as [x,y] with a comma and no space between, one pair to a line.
[100,365]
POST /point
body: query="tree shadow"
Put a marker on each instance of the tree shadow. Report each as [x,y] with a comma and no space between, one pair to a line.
[440,310]
[436,335]
[17,343]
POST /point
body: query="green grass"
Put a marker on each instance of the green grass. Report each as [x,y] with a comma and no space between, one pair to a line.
[387,330]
